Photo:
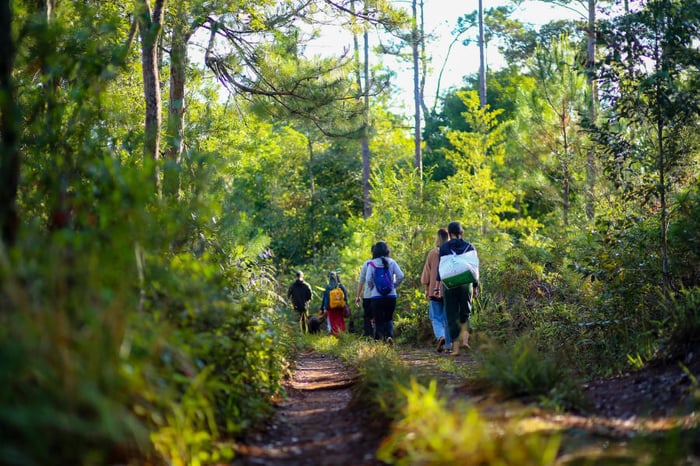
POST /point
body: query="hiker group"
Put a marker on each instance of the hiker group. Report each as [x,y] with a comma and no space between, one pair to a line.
[450,276]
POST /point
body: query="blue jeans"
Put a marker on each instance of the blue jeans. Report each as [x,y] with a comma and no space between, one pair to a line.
[436,312]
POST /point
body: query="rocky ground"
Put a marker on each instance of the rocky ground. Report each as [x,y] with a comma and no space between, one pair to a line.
[318,424]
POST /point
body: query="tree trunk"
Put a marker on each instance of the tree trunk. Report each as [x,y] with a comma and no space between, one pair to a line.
[566,174]
[591,170]
[482,57]
[665,267]
[366,189]
[415,40]
[363,88]
[150,26]
[176,108]
[9,131]
[423,59]
[312,210]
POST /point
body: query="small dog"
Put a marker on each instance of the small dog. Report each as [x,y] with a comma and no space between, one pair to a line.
[314,324]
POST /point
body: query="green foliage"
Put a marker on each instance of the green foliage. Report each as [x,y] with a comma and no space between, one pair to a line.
[503,85]
[412,324]
[146,329]
[679,331]
[138,328]
[200,359]
[548,130]
[683,236]
[519,368]
[655,109]
[428,432]
[487,210]
[62,371]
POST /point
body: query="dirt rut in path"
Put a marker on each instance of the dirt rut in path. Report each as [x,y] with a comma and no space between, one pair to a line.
[317,424]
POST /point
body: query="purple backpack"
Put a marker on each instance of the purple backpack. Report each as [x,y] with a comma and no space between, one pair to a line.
[382,280]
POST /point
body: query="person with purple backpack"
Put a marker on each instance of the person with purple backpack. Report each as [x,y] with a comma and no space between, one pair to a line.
[383,277]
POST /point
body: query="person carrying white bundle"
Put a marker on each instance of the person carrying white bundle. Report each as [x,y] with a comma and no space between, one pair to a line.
[459,273]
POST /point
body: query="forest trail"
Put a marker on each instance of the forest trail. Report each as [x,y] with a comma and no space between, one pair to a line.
[318,425]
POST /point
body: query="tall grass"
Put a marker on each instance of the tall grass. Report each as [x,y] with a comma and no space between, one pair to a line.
[430,432]
[522,370]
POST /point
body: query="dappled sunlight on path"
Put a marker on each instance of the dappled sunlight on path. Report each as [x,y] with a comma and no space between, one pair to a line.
[316,424]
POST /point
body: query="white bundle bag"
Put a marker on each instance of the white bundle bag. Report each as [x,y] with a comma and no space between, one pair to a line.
[459,269]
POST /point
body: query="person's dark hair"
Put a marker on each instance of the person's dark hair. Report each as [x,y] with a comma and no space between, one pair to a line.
[333,279]
[381,249]
[443,234]
[455,228]
[300,274]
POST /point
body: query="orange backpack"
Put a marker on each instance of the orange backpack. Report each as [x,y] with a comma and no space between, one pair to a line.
[336,298]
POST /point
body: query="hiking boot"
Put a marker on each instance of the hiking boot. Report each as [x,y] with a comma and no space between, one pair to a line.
[441,345]
[390,341]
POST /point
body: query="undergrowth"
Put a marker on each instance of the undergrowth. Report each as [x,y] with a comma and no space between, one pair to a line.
[430,432]
[522,370]
[426,430]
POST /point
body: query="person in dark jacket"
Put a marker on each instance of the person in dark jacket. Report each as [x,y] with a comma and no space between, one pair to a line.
[300,294]
[457,300]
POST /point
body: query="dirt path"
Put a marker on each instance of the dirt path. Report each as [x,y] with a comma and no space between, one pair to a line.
[316,424]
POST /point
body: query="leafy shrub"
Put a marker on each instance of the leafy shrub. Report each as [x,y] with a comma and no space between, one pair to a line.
[411,321]
[98,373]
[513,287]
[66,390]
[427,432]
[520,369]
[680,330]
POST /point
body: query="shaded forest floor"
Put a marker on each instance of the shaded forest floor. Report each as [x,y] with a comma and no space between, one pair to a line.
[317,424]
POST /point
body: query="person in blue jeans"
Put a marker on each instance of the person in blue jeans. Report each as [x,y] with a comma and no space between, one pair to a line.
[383,305]
[436,309]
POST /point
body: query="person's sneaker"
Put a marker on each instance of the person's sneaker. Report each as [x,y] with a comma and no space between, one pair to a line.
[390,341]
[441,345]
